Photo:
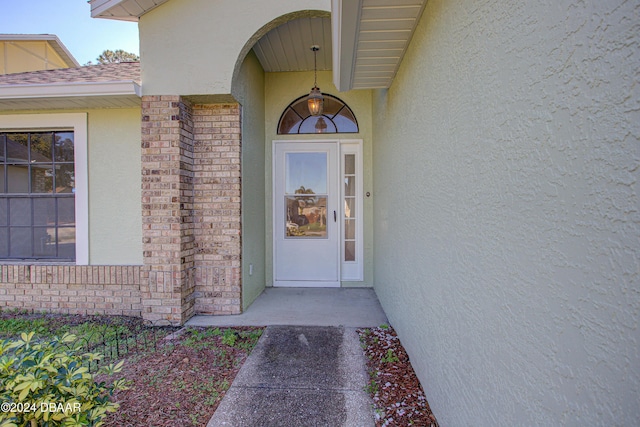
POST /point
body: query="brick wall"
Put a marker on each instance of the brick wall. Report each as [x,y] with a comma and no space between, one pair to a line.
[216,208]
[167,197]
[191,199]
[72,289]
[191,209]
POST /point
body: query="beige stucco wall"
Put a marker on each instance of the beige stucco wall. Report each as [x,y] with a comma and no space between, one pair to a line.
[248,89]
[506,198]
[191,48]
[115,216]
[281,89]
[115,211]
[19,56]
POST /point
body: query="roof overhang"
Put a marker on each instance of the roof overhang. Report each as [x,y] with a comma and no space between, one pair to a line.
[53,41]
[123,10]
[117,94]
[370,38]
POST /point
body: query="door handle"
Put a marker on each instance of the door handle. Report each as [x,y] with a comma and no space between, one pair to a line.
[335,218]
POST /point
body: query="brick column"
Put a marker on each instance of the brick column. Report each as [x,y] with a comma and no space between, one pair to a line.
[216,208]
[167,282]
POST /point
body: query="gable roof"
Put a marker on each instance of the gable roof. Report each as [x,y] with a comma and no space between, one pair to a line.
[51,39]
[94,86]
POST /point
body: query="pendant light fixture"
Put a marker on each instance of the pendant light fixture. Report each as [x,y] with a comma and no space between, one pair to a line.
[315,101]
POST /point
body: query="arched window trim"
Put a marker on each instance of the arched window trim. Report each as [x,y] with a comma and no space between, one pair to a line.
[303,98]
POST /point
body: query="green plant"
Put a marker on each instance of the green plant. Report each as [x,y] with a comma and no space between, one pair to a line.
[372,387]
[13,327]
[248,339]
[46,383]
[390,357]
[229,338]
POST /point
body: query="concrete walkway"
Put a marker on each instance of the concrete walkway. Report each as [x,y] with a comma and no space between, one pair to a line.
[348,307]
[300,376]
[308,368]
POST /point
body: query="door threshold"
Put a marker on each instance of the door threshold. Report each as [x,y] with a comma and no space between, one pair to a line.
[306,284]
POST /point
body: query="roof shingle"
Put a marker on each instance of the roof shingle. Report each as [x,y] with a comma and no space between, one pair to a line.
[122,71]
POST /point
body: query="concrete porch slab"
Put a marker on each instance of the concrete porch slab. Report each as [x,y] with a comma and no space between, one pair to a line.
[348,307]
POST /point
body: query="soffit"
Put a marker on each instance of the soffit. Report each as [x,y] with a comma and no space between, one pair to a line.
[71,102]
[288,46]
[124,10]
[373,36]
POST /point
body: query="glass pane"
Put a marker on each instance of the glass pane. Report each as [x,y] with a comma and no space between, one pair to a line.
[349,229]
[345,122]
[350,251]
[20,246]
[44,212]
[302,107]
[66,211]
[350,208]
[67,242]
[331,106]
[42,178]
[65,178]
[3,211]
[289,123]
[44,242]
[41,151]
[20,212]
[17,179]
[17,151]
[2,139]
[320,124]
[63,146]
[2,189]
[4,242]
[350,186]
[306,216]
[306,173]
[337,118]
[350,164]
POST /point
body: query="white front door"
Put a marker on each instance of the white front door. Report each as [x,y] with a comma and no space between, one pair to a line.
[306,209]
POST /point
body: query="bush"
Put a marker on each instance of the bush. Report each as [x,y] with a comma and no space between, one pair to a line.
[48,384]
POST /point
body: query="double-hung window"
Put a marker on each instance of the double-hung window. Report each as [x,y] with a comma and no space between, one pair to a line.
[41,186]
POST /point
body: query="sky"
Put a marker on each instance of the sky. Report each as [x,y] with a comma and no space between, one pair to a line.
[85,37]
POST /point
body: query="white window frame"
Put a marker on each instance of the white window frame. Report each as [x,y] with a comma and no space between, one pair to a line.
[352,271]
[67,121]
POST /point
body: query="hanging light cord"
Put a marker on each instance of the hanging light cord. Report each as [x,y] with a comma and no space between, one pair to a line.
[315,65]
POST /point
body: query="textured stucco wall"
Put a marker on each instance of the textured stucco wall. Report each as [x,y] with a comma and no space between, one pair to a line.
[192,48]
[115,211]
[280,90]
[248,88]
[507,224]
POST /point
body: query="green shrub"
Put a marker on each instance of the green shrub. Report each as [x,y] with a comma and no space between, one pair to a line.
[48,384]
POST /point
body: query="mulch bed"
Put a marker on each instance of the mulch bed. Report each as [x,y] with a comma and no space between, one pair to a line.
[181,381]
[182,384]
[398,397]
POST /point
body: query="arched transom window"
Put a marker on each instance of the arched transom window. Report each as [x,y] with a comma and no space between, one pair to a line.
[336,118]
